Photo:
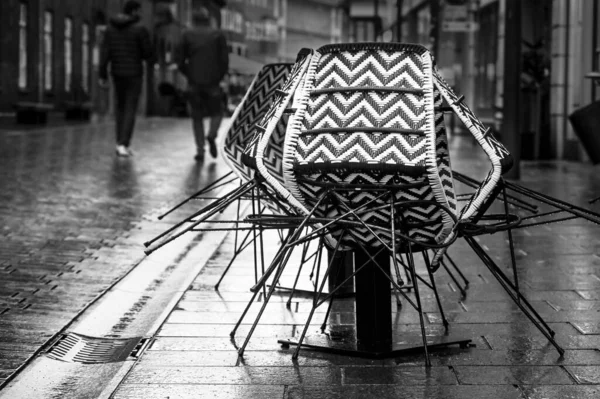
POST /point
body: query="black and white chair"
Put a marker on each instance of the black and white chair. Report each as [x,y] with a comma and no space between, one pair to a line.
[366,164]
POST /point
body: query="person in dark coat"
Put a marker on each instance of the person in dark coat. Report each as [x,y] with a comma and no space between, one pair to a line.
[126,45]
[202,57]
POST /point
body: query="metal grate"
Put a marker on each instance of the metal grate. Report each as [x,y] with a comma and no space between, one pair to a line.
[77,348]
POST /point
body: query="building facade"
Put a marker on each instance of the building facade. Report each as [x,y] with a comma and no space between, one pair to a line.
[558,58]
[47,50]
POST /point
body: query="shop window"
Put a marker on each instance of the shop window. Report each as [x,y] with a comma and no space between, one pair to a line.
[85,56]
[23,46]
[48,50]
[486,56]
[68,53]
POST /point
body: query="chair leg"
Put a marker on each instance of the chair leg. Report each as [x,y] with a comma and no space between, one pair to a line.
[206,212]
[236,251]
[463,291]
[302,261]
[435,291]
[317,295]
[280,269]
[511,244]
[516,296]
[278,264]
[413,273]
[455,266]
[263,280]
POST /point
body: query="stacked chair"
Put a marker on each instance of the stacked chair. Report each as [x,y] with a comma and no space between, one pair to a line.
[353,152]
[366,165]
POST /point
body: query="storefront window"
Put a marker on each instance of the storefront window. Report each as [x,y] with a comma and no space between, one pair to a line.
[48,70]
[68,53]
[23,46]
[486,56]
[85,57]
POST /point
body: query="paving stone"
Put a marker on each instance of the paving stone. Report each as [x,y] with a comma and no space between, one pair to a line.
[585,374]
[561,392]
[193,391]
[503,357]
[403,391]
[513,375]
[398,376]
[65,201]
[235,375]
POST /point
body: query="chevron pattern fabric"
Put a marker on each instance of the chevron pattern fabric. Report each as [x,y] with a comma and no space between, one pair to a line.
[253,107]
[368,123]
[280,100]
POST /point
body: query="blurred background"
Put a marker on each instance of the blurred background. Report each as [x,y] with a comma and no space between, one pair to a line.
[523,66]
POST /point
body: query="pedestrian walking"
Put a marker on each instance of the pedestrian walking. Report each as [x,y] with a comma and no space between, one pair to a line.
[126,45]
[202,57]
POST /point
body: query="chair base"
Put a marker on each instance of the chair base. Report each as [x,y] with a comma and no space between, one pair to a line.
[345,343]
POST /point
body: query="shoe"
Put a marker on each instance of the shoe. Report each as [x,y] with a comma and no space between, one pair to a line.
[122,151]
[212,147]
[199,158]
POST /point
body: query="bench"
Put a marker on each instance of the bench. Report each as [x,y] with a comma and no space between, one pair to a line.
[77,110]
[32,113]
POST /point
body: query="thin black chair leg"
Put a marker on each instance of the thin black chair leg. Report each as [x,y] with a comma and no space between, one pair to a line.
[511,244]
[394,258]
[522,298]
[413,273]
[455,266]
[280,269]
[254,238]
[302,260]
[462,290]
[261,242]
[435,291]
[496,272]
[263,280]
[236,252]
[317,295]
[327,313]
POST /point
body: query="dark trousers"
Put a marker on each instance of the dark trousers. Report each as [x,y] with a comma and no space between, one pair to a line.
[205,102]
[127,97]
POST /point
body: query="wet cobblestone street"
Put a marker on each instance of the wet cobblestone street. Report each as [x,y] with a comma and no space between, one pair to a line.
[74,217]
[559,267]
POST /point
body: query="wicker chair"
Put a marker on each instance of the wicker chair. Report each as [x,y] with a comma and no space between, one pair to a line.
[366,163]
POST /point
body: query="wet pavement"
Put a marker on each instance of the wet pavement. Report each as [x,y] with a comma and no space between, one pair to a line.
[193,355]
[74,218]
[72,208]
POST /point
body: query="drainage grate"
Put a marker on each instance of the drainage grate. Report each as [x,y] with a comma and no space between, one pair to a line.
[77,348]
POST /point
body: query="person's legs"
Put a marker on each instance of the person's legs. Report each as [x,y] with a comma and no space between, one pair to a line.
[215,123]
[197,113]
[120,90]
[215,105]
[132,98]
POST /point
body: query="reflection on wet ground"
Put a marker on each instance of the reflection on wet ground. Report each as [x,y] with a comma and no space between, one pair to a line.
[74,218]
[559,267]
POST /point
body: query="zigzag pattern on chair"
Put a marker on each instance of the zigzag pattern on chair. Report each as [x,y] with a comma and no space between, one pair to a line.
[256,103]
[273,155]
[370,68]
[373,107]
[279,96]
[381,217]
